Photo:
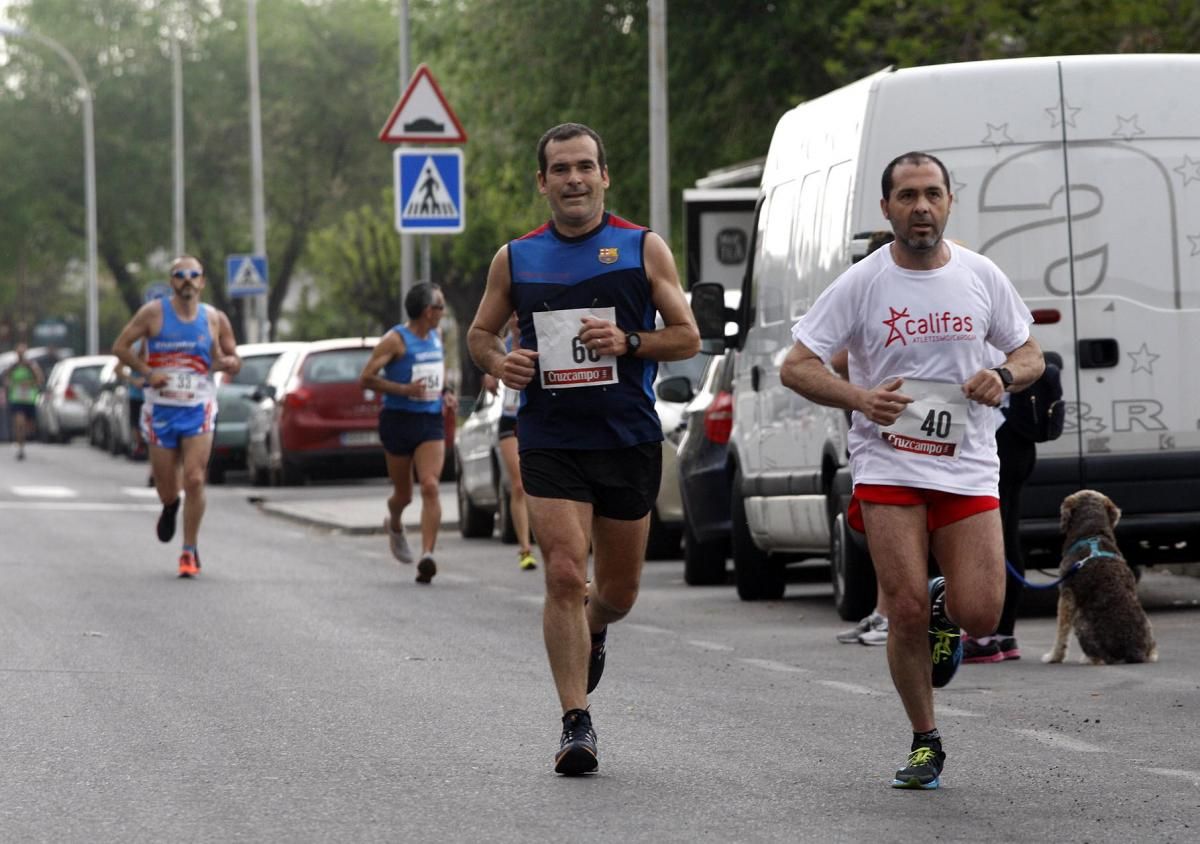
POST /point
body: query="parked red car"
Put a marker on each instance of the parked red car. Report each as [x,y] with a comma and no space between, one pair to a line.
[312,416]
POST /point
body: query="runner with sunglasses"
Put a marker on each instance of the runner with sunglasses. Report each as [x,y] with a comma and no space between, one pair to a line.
[186,342]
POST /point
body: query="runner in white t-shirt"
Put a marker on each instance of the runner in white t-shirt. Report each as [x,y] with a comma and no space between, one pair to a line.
[922,319]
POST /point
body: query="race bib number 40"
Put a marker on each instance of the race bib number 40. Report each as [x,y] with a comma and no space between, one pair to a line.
[934,425]
[563,359]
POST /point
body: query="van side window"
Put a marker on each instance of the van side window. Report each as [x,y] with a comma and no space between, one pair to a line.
[774,262]
[804,243]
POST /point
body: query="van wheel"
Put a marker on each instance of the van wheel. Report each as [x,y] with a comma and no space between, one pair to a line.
[473,522]
[703,562]
[508,531]
[851,571]
[758,577]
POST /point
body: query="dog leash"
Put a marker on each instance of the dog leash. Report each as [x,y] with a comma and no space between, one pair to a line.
[1092,543]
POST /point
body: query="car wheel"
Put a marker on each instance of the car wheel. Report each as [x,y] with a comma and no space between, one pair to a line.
[258,474]
[473,522]
[851,571]
[703,562]
[664,541]
[216,473]
[290,472]
[508,531]
[757,575]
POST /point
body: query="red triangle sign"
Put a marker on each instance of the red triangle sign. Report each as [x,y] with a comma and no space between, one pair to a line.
[423,115]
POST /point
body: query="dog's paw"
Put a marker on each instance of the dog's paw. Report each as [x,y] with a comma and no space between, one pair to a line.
[1052,657]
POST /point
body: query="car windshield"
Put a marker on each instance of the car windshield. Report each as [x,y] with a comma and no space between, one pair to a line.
[336,366]
[254,369]
[692,368]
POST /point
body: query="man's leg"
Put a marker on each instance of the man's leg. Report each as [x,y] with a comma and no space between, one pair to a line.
[619,547]
[563,529]
[399,468]
[164,466]
[195,452]
[899,546]
[19,420]
[970,553]
[428,460]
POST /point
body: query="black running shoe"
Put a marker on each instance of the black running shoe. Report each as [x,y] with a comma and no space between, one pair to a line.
[596,659]
[166,521]
[577,750]
[924,768]
[945,639]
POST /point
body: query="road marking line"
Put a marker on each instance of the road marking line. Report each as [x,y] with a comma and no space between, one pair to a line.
[648,628]
[45,491]
[709,646]
[853,688]
[140,491]
[1193,776]
[1059,741]
[772,665]
[92,506]
[539,600]
[960,713]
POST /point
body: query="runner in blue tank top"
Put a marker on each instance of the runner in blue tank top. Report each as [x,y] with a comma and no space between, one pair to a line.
[408,366]
[186,342]
[585,287]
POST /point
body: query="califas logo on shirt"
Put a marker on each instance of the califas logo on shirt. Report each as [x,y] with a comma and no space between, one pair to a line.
[608,254]
[926,328]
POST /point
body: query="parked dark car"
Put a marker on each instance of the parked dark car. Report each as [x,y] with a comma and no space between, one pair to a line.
[705,473]
[311,415]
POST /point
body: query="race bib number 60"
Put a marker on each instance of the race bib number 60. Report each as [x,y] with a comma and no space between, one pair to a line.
[563,359]
[934,425]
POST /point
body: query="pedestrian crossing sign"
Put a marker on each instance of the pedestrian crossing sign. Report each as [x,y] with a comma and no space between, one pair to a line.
[429,190]
[246,275]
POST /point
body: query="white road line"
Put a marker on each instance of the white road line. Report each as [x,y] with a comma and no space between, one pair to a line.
[539,600]
[1193,776]
[45,491]
[709,646]
[648,628]
[958,713]
[79,506]
[140,491]
[848,687]
[1060,741]
[772,665]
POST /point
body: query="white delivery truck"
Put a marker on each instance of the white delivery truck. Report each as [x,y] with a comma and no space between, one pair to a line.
[1080,177]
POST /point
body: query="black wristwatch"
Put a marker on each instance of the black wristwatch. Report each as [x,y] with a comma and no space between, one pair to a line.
[1005,376]
[633,342]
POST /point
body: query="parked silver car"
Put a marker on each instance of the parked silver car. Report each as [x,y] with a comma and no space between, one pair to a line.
[481,481]
[235,402]
[62,407]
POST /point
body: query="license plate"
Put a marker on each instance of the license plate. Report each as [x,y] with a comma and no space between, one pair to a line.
[360,438]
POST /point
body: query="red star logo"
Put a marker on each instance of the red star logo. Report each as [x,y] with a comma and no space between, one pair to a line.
[893,331]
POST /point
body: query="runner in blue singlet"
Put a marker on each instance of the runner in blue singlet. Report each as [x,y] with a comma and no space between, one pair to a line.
[186,342]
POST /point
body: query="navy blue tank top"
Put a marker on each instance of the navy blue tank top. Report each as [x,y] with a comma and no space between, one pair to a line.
[602,268]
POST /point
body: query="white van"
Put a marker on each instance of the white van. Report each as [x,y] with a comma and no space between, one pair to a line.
[1080,178]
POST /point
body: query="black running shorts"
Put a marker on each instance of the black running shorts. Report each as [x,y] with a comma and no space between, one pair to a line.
[401,431]
[619,483]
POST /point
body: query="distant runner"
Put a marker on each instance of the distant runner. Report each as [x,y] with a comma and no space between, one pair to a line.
[23,380]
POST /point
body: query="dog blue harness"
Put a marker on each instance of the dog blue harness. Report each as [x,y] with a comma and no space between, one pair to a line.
[1091,543]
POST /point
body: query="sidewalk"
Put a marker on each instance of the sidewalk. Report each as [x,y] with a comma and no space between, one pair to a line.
[354,511]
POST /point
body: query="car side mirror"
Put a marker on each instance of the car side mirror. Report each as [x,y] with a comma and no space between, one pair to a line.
[263,391]
[677,389]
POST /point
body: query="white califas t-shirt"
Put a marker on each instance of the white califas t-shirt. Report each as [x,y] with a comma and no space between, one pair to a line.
[939,325]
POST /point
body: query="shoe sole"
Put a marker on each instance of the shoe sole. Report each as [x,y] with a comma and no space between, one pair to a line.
[426,569]
[915,784]
[575,761]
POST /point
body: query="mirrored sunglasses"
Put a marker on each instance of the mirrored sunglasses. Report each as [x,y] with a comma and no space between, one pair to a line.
[182,274]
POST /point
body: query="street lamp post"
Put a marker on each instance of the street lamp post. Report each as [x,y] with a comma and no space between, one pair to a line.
[89,177]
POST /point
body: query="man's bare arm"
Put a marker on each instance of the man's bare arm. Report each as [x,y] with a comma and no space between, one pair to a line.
[390,347]
[485,339]
[138,328]
[1026,363]
[227,358]
[804,372]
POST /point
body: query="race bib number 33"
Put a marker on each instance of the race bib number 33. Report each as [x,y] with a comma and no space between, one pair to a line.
[563,359]
[934,425]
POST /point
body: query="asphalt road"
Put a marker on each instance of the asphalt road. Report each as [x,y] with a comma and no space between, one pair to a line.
[304,688]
